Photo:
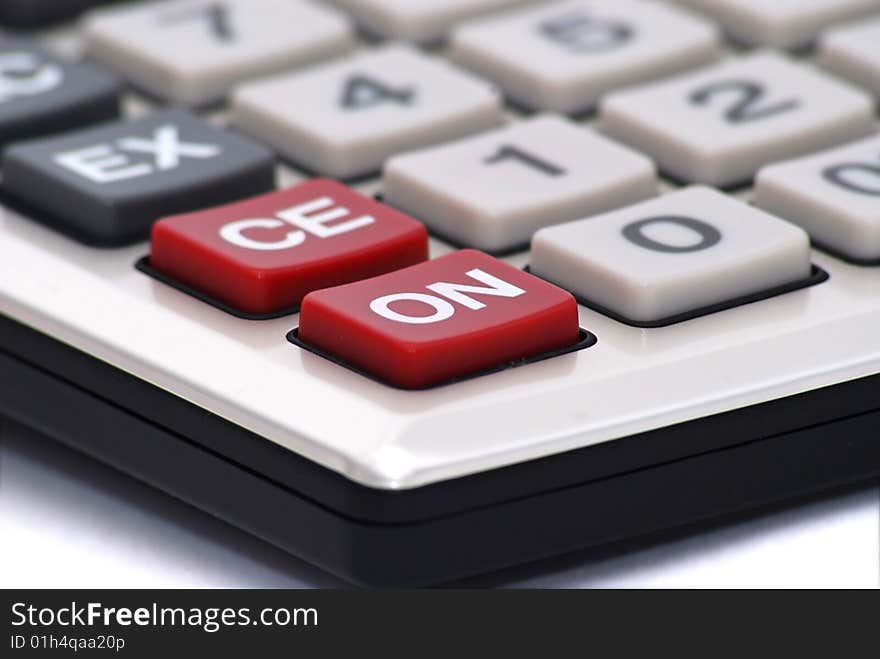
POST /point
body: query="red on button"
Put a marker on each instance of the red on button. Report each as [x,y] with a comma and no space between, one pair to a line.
[447,318]
[265,254]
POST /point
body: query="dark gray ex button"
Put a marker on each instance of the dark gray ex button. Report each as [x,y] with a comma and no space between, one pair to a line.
[107,185]
[42,94]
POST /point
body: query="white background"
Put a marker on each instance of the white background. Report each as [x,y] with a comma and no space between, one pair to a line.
[67,521]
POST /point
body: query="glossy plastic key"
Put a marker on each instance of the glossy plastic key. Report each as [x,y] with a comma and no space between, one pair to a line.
[440,320]
[264,255]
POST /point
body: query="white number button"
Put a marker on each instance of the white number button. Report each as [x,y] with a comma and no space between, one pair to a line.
[678,253]
[781,23]
[192,51]
[851,51]
[345,118]
[565,56]
[834,195]
[495,190]
[422,21]
[720,125]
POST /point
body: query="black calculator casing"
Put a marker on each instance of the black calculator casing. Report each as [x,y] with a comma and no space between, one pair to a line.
[630,487]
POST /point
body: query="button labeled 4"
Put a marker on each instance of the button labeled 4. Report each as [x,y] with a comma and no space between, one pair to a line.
[440,320]
[263,255]
[345,118]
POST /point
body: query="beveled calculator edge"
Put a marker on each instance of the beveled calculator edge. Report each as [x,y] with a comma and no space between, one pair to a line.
[194,425]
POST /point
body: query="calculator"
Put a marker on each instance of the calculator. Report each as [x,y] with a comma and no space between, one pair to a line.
[418,290]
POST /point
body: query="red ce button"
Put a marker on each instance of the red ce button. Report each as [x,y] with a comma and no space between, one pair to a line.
[265,254]
[443,319]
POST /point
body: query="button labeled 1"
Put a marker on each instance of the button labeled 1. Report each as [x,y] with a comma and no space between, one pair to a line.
[265,254]
[721,124]
[493,191]
[834,195]
[443,319]
[672,255]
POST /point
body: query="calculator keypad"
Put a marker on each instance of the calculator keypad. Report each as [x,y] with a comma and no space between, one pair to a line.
[720,125]
[441,320]
[42,94]
[686,250]
[781,23]
[565,56]
[456,161]
[493,191]
[108,184]
[192,51]
[263,255]
[345,118]
[834,195]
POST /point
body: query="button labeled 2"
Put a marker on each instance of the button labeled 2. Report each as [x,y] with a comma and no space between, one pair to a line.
[263,255]
[721,124]
[565,56]
[440,320]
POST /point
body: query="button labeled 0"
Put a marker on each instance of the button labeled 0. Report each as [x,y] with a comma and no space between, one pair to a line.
[263,255]
[440,320]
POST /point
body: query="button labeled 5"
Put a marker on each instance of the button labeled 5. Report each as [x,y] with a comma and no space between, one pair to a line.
[444,319]
[263,255]
[565,56]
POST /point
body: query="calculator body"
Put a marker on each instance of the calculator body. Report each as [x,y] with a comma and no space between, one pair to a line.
[752,402]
